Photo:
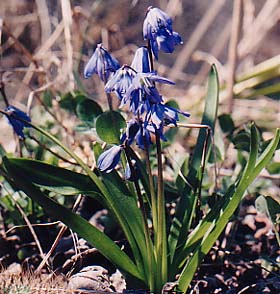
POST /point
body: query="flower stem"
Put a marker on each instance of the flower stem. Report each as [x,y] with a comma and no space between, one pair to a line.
[152,186]
[2,89]
[161,242]
[144,218]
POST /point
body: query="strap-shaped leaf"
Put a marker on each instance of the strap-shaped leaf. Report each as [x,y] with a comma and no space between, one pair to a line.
[54,178]
[186,205]
[96,238]
[250,173]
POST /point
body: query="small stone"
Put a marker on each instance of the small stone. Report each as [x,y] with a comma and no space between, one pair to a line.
[91,278]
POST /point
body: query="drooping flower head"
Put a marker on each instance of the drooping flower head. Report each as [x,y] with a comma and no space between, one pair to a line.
[161,115]
[12,113]
[101,63]
[142,91]
[120,81]
[157,28]
[108,160]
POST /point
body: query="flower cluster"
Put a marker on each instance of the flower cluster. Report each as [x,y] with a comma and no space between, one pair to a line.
[135,86]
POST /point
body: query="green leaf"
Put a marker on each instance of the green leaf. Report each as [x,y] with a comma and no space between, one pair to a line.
[273,209]
[217,225]
[226,123]
[273,168]
[70,101]
[56,179]
[47,98]
[83,128]
[109,125]
[83,228]
[2,151]
[87,110]
[261,205]
[187,203]
[241,141]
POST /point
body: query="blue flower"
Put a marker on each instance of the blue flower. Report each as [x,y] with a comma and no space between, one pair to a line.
[143,134]
[141,61]
[120,81]
[160,115]
[157,28]
[108,160]
[142,92]
[101,63]
[132,129]
[12,113]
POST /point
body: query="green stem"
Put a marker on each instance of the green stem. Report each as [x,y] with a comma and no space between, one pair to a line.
[150,258]
[2,89]
[152,186]
[161,242]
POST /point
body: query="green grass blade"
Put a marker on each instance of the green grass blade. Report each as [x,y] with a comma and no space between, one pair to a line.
[96,238]
[187,203]
[209,239]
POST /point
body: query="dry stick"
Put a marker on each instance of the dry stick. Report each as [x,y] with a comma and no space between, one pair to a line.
[58,237]
[44,18]
[254,34]
[196,36]
[232,53]
[51,151]
[32,231]
[19,46]
[216,50]
[40,54]
[67,21]
[53,115]
[33,225]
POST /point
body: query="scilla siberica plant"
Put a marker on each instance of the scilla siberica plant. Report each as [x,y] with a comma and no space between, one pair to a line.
[159,251]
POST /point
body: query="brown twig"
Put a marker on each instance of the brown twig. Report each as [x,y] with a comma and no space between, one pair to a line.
[58,237]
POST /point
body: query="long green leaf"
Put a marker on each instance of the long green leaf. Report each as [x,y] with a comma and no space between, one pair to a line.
[185,207]
[54,178]
[249,175]
[96,238]
[112,204]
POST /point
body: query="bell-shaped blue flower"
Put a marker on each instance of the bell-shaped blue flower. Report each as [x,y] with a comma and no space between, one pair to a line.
[156,20]
[143,138]
[162,115]
[120,81]
[141,61]
[101,63]
[108,160]
[143,90]
[16,119]
[157,28]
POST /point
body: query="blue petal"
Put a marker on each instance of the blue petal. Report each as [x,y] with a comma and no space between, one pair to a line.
[108,160]
[141,61]
[120,81]
[101,63]
[12,114]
